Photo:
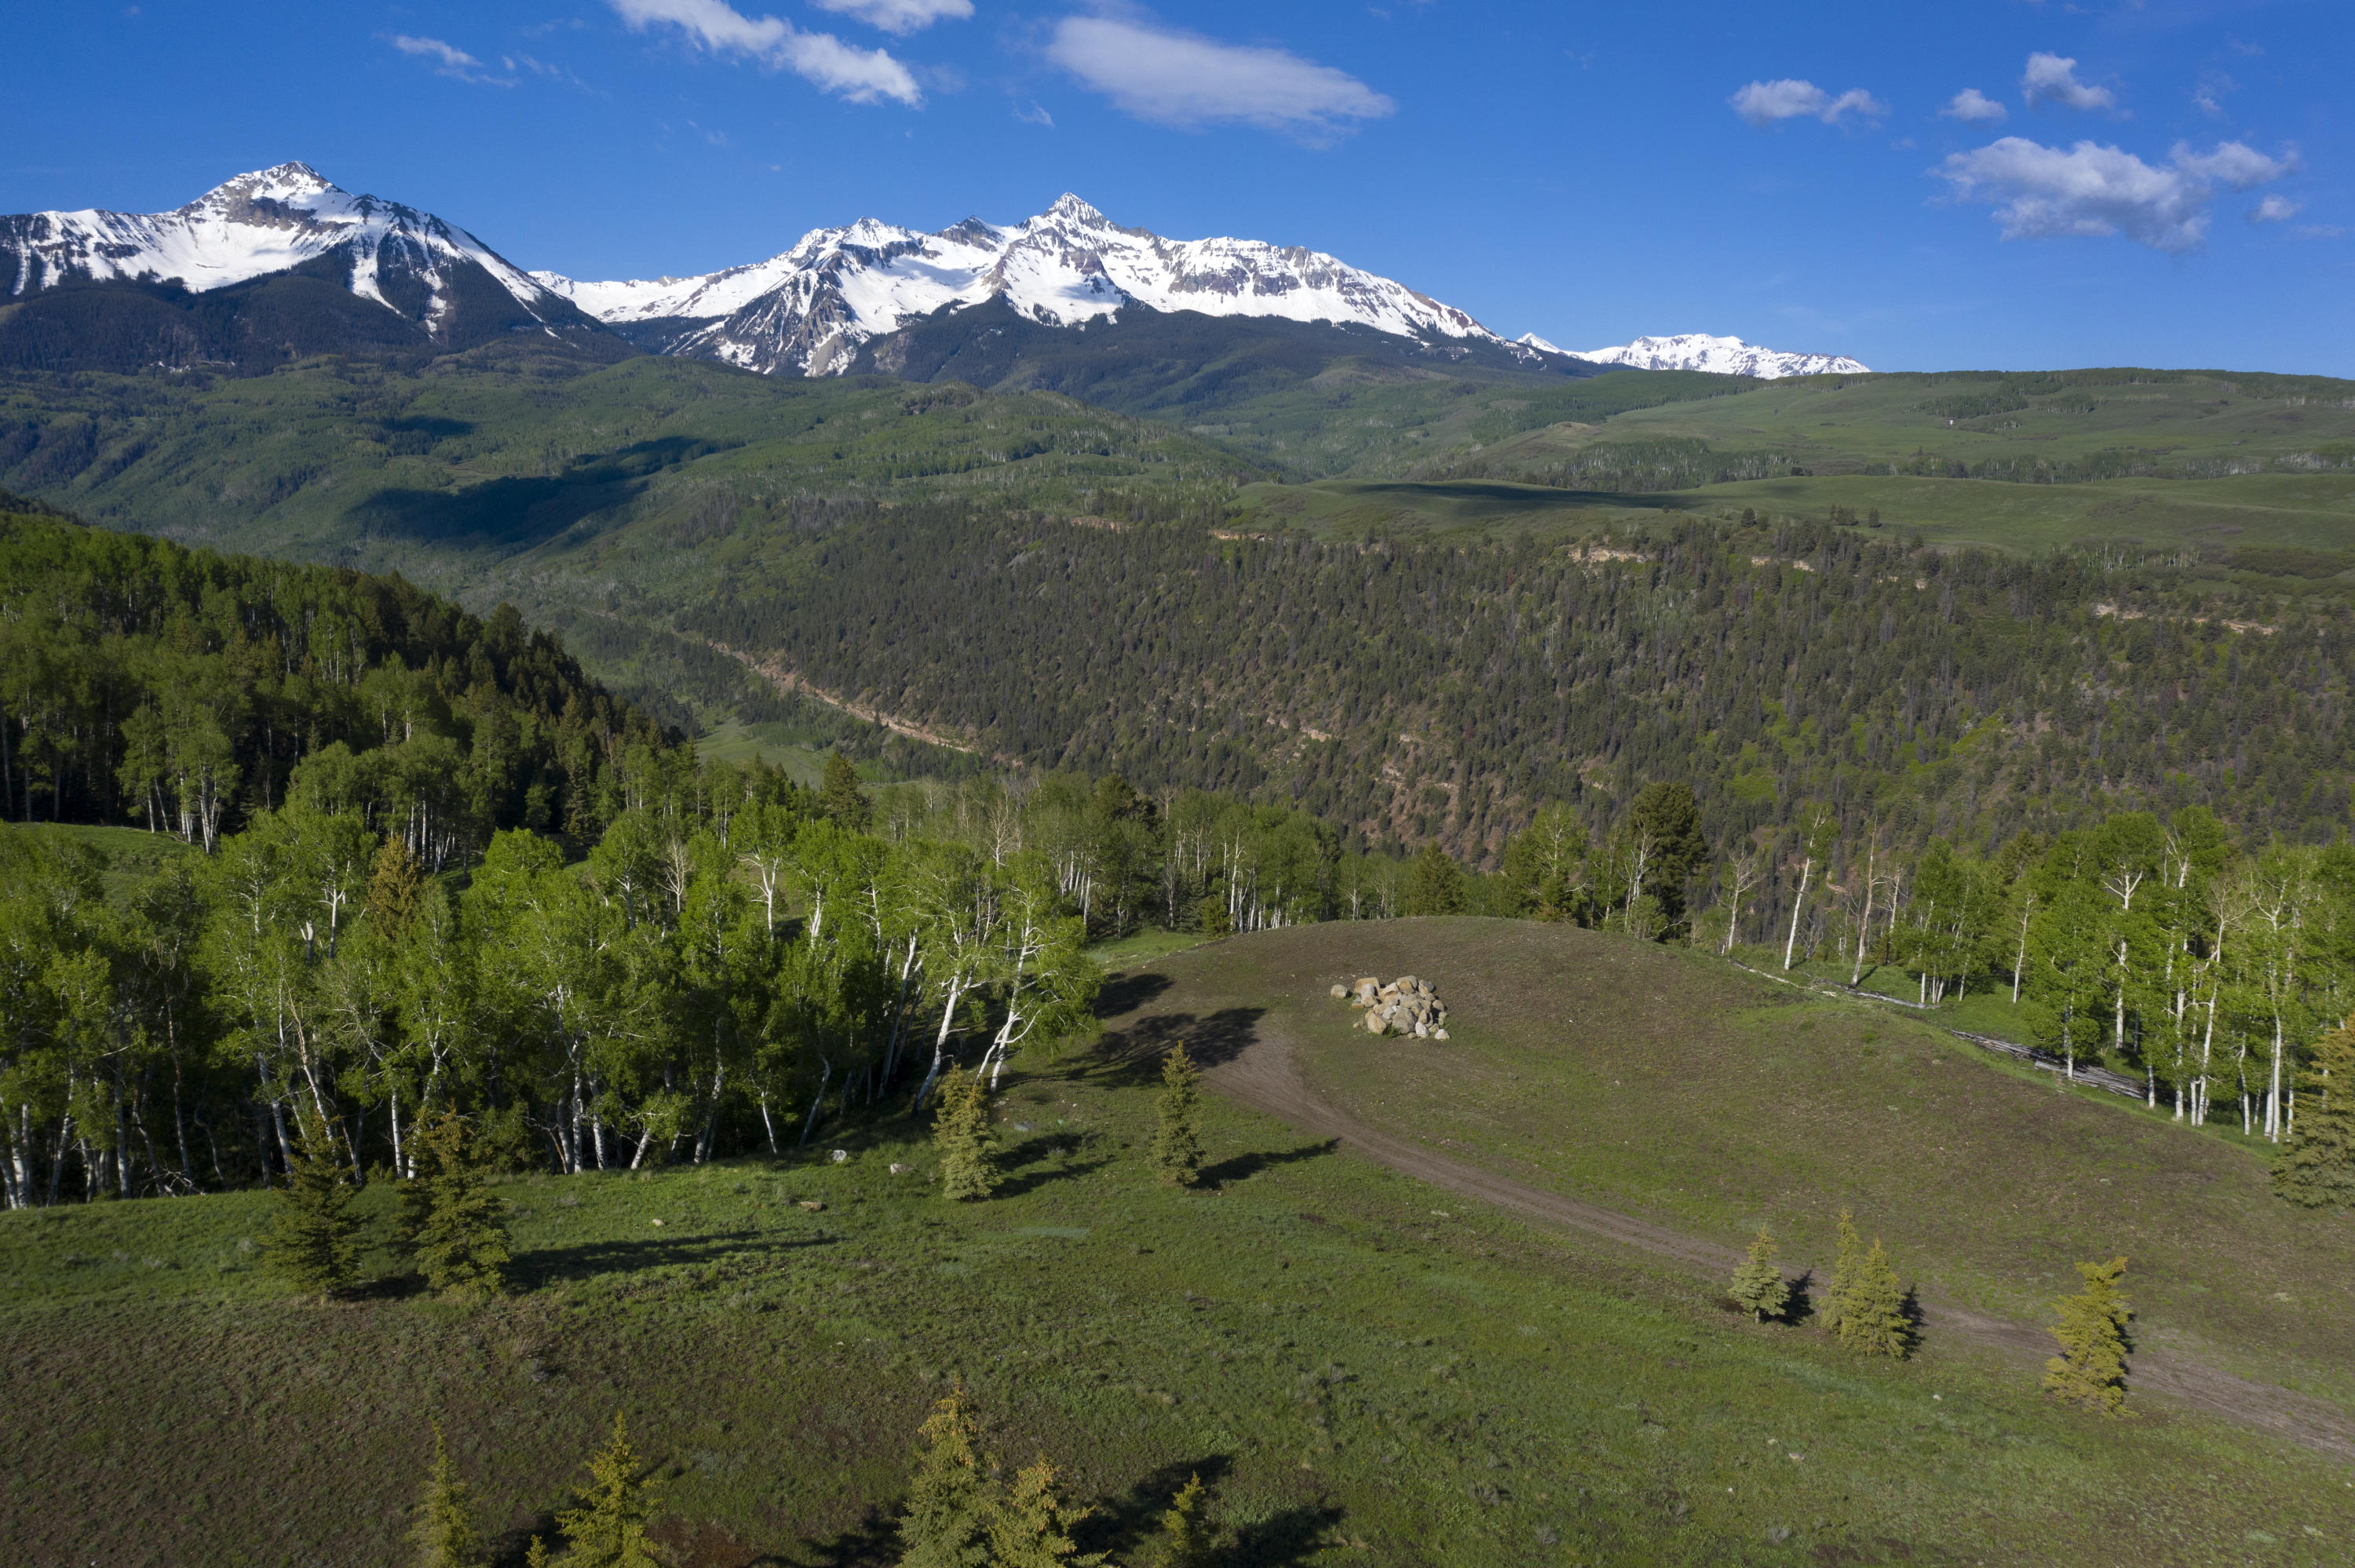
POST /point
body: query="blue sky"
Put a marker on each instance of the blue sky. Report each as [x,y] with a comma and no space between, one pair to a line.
[1923,184]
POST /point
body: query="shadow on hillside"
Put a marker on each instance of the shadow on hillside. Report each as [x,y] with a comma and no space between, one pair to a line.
[1119,1526]
[546,1265]
[872,1542]
[1288,1537]
[1251,1165]
[1133,1055]
[1019,1163]
[1124,994]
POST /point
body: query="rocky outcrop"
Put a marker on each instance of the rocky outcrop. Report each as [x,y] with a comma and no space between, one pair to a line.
[1407,1005]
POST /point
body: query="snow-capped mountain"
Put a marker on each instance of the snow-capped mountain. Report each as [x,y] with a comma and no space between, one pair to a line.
[807,310]
[1720,356]
[279,220]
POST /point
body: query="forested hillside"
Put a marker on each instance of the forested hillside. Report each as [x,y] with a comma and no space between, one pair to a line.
[184,691]
[1419,693]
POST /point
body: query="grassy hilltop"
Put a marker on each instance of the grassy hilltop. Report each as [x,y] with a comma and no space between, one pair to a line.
[1366,1367]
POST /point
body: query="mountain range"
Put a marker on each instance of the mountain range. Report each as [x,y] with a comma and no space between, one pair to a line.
[1717,355]
[280,263]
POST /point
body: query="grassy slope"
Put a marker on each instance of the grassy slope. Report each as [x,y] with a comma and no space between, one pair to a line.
[1360,1373]
[1841,427]
[1668,1085]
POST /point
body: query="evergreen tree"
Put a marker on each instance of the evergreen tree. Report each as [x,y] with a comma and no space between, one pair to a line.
[394,886]
[1178,1144]
[313,1243]
[2317,1171]
[1759,1288]
[840,798]
[445,1534]
[1668,819]
[535,1555]
[1874,1317]
[950,1499]
[1185,1540]
[1032,1527]
[448,1221]
[2091,1370]
[1434,884]
[1847,1272]
[608,1527]
[967,1149]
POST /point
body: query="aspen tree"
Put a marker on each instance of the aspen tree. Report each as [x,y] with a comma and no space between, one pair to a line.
[1178,1142]
[2091,1370]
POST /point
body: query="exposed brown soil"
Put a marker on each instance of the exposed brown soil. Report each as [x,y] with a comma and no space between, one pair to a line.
[1261,1075]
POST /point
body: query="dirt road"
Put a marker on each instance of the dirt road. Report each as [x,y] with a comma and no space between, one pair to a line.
[1262,1074]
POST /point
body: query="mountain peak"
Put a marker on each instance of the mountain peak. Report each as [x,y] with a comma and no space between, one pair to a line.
[280,182]
[1071,206]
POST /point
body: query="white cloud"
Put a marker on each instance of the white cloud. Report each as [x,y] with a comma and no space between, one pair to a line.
[862,76]
[448,59]
[898,16]
[1767,102]
[1171,78]
[1971,106]
[2044,193]
[1036,115]
[2274,210]
[2052,78]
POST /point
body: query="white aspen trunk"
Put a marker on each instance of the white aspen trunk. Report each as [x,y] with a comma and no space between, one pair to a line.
[825,1071]
[768,1126]
[1864,926]
[958,986]
[1806,869]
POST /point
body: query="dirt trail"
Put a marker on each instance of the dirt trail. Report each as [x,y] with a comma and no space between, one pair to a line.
[1263,1077]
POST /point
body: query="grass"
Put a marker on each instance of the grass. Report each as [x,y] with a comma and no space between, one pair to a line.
[130,855]
[1668,1085]
[1366,1371]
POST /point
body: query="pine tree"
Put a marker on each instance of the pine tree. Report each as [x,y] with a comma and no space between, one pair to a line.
[313,1243]
[448,1221]
[967,1150]
[445,1534]
[1759,1288]
[1873,1315]
[2317,1171]
[394,886]
[1434,884]
[1846,1273]
[840,798]
[1031,1528]
[950,1499]
[2091,1370]
[1185,1540]
[1178,1144]
[608,1529]
[535,1555]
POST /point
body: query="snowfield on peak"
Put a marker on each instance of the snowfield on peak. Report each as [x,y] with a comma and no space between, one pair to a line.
[269,221]
[1719,356]
[807,310]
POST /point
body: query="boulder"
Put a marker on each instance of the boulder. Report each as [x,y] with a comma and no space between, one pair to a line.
[1407,1005]
[1339,992]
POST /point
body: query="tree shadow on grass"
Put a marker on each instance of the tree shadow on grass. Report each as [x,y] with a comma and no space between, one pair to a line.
[1120,1525]
[545,1266]
[1290,1537]
[1133,1055]
[1124,994]
[872,1542]
[1247,1165]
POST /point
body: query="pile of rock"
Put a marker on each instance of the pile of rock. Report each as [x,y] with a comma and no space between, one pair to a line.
[1405,1006]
